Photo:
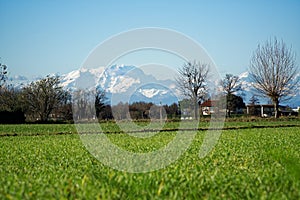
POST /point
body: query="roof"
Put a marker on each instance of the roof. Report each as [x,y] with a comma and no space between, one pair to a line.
[209,103]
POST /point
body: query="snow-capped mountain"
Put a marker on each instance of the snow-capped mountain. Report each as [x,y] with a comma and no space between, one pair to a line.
[129,84]
[90,75]
[21,81]
[123,83]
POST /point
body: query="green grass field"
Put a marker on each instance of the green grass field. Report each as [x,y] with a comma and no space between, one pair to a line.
[260,163]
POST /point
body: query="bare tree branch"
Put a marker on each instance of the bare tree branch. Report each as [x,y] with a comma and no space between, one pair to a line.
[230,85]
[43,96]
[273,68]
[192,82]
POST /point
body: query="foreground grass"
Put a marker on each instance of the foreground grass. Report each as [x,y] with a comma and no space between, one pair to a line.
[245,164]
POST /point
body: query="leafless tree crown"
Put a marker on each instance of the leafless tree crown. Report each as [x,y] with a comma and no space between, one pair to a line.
[273,69]
[43,96]
[230,84]
[192,80]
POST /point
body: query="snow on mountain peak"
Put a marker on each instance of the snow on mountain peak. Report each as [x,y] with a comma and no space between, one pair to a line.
[150,93]
[117,70]
[121,84]
[88,75]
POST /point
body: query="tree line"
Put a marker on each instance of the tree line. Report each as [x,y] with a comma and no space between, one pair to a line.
[46,100]
[272,68]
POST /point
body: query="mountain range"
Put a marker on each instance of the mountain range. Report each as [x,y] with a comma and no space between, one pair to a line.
[130,84]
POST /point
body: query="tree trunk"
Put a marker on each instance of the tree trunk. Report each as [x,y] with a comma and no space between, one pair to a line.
[196,110]
[43,117]
[276,108]
[200,111]
[228,113]
[228,101]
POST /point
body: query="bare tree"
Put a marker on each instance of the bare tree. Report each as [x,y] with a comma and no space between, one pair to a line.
[83,103]
[89,103]
[10,100]
[230,85]
[43,96]
[121,111]
[273,68]
[63,110]
[100,100]
[192,82]
[253,100]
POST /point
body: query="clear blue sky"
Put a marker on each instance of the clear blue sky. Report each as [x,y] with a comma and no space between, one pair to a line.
[42,37]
